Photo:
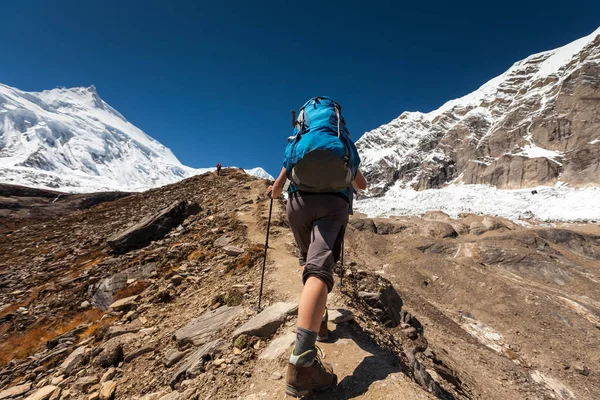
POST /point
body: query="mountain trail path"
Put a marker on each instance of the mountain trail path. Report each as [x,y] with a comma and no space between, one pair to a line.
[364,370]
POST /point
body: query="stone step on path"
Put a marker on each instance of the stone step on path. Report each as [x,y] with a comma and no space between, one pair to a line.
[267,321]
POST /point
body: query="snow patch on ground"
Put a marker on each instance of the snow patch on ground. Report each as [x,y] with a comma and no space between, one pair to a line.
[558,203]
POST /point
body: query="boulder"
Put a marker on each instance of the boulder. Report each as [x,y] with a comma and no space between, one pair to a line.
[437,229]
[194,364]
[108,375]
[203,328]
[386,228]
[15,391]
[222,241]
[42,394]
[388,302]
[267,321]
[107,391]
[114,331]
[139,352]
[153,227]
[74,361]
[84,383]
[102,292]
[110,353]
[173,357]
[124,304]
[233,250]
[364,225]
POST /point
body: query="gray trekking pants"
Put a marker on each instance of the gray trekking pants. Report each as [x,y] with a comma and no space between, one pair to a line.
[318,222]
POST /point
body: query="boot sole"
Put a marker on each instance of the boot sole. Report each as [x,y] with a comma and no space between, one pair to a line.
[292,391]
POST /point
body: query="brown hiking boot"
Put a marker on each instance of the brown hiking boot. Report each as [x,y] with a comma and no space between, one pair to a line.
[307,374]
[323,334]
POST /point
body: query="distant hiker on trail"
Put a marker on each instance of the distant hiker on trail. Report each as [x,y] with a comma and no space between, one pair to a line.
[321,163]
[218,169]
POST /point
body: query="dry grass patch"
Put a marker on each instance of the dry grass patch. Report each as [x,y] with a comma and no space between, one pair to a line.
[21,344]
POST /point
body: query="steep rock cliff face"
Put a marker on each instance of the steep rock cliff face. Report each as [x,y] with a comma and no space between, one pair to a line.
[538,123]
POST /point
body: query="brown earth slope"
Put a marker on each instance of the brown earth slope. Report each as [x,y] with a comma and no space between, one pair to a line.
[487,309]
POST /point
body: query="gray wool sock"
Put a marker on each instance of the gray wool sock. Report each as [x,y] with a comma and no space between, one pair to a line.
[305,340]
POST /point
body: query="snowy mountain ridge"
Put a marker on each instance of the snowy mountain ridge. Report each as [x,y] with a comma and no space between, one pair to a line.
[531,125]
[71,140]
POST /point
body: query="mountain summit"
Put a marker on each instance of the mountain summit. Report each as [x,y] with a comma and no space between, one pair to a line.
[536,124]
[72,140]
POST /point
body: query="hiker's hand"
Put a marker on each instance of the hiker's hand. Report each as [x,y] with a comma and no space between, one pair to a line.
[274,191]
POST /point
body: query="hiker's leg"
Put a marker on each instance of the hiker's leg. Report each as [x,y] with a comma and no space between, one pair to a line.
[318,272]
[300,219]
[312,304]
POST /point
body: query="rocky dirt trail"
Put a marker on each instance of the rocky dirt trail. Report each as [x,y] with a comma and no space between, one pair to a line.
[154,296]
[364,370]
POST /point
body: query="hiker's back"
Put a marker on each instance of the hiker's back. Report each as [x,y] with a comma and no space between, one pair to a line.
[321,157]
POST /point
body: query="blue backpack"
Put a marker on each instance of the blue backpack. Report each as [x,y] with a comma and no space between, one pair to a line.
[320,156]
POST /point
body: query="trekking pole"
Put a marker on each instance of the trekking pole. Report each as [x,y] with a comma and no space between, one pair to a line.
[262,277]
[342,267]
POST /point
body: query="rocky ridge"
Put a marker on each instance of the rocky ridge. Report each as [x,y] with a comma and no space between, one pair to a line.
[536,124]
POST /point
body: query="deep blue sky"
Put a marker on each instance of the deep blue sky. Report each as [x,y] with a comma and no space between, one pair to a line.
[215,81]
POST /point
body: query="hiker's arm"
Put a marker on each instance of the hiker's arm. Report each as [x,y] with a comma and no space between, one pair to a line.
[359,181]
[277,186]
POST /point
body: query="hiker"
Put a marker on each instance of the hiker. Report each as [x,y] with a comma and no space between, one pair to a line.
[321,163]
[218,169]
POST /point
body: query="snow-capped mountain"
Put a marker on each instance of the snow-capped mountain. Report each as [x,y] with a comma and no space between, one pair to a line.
[71,140]
[259,173]
[537,123]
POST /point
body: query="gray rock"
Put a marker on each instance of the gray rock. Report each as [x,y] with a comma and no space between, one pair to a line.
[102,292]
[388,302]
[107,391]
[276,376]
[83,384]
[110,353]
[340,315]
[15,391]
[268,321]
[411,332]
[56,395]
[222,241]
[123,304]
[194,363]
[42,394]
[173,396]
[233,251]
[203,328]
[278,346]
[115,331]
[582,369]
[364,225]
[173,357]
[190,394]
[74,361]
[139,352]
[108,375]
[153,396]
[153,227]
